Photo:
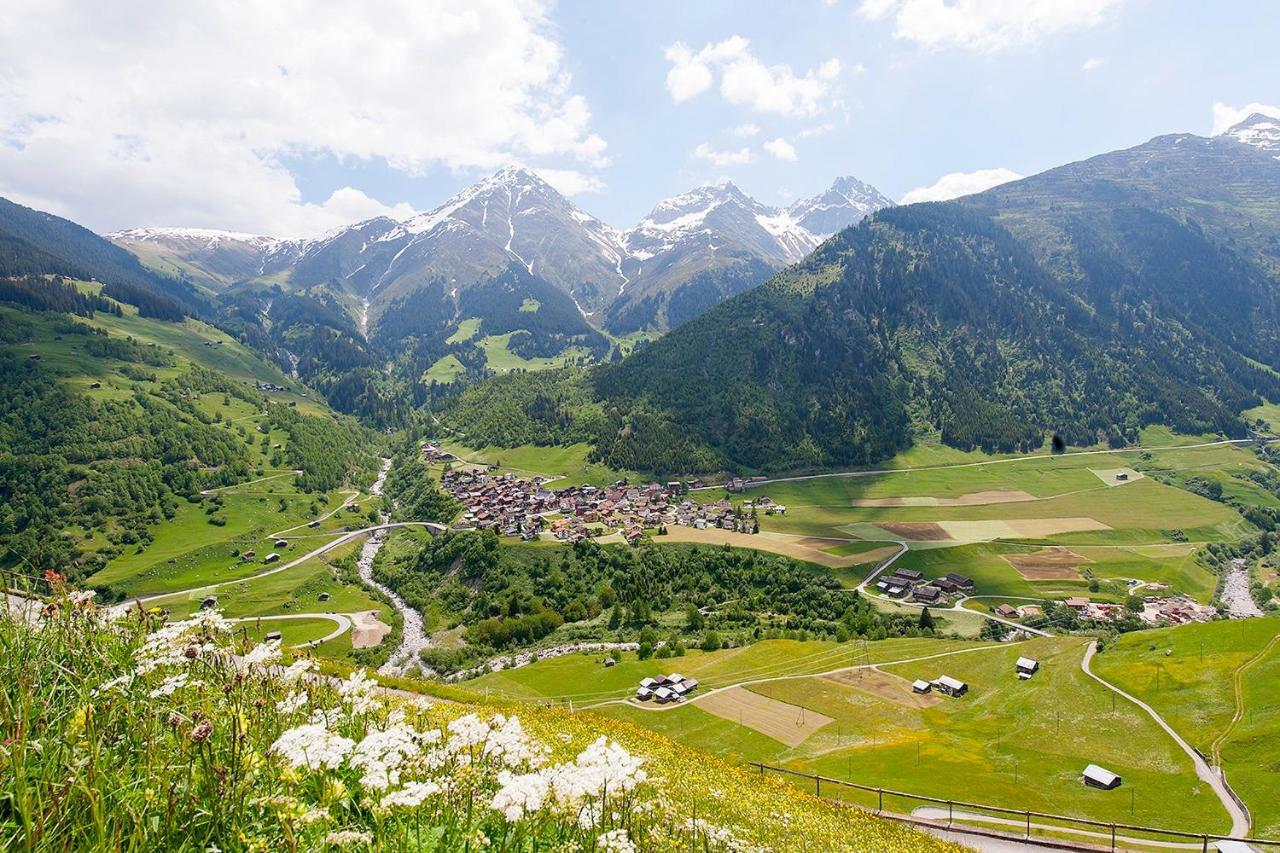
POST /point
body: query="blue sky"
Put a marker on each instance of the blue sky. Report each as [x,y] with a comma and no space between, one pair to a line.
[299,119]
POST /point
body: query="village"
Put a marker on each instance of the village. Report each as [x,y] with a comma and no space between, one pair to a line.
[531,509]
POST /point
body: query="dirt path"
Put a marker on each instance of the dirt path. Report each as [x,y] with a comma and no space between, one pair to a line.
[1240,821]
[875,472]
[1237,687]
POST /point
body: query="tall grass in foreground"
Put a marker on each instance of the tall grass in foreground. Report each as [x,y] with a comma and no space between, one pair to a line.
[123,731]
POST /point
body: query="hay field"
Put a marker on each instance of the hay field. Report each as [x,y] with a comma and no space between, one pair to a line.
[789,724]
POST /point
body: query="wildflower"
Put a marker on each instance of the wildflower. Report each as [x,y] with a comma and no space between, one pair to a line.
[107,686]
[615,841]
[293,702]
[348,838]
[169,685]
[201,732]
[519,795]
[314,815]
[173,720]
[467,731]
[506,741]
[357,691]
[381,753]
[312,746]
[259,656]
[297,670]
[411,795]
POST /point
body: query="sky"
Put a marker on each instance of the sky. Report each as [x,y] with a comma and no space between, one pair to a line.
[292,118]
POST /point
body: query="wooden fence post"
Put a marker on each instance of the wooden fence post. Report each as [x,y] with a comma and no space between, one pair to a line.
[880,802]
[817,785]
[1113,836]
[1028,823]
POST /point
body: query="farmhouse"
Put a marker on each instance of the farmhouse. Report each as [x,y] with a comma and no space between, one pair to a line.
[926,594]
[1098,777]
[960,581]
[1006,610]
[1026,667]
[950,686]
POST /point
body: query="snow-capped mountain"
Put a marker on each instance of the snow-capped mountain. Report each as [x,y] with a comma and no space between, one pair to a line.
[208,256]
[1258,130]
[696,249]
[703,246]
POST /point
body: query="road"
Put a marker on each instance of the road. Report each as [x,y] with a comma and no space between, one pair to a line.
[1007,824]
[342,620]
[284,567]
[1240,821]
[874,472]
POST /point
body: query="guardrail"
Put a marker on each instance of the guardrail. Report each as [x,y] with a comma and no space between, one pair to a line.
[24,584]
[1119,836]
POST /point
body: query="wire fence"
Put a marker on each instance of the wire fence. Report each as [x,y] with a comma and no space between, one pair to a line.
[1060,830]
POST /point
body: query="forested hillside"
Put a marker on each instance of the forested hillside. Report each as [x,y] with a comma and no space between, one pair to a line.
[1135,288]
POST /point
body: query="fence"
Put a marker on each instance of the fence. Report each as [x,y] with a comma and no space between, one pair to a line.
[1028,824]
[25,585]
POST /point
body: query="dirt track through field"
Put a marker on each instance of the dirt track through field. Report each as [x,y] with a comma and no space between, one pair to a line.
[789,724]
[883,685]
[1047,564]
[806,548]
[995,496]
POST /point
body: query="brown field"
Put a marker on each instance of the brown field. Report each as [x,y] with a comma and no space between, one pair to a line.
[1047,564]
[807,548]
[883,685]
[789,724]
[997,496]
[919,531]
[1016,528]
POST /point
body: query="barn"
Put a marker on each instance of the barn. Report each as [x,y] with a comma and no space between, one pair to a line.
[921,686]
[950,686]
[1100,777]
[1026,667]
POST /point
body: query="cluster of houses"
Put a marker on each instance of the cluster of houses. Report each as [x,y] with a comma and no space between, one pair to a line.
[1024,668]
[910,583]
[1156,610]
[514,506]
[666,688]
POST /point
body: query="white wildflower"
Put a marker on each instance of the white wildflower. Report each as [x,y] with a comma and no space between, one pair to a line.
[169,685]
[380,754]
[520,794]
[314,815]
[260,655]
[615,841]
[107,686]
[358,692]
[467,731]
[81,597]
[293,702]
[411,795]
[297,670]
[507,742]
[312,746]
[348,838]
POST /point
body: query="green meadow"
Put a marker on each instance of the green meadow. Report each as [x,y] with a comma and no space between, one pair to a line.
[1018,744]
[1196,677]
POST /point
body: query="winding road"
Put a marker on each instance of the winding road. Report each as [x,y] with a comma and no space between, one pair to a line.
[1240,820]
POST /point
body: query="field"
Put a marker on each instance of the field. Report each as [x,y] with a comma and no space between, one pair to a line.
[1012,743]
[501,359]
[582,679]
[1034,527]
[1218,685]
[567,463]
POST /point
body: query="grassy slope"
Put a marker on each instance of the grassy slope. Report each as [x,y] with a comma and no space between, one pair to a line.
[1185,673]
[1011,743]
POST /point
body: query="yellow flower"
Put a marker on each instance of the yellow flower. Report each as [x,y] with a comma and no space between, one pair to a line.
[334,790]
[80,717]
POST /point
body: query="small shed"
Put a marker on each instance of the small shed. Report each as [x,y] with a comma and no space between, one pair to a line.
[691,684]
[271,558]
[315,523]
[208,602]
[1026,667]
[663,694]
[920,686]
[644,694]
[282,543]
[324,596]
[610,662]
[675,678]
[951,686]
[647,682]
[680,689]
[272,636]
[1100,777]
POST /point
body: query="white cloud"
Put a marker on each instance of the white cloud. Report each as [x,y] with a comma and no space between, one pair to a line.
[985,24]
[1093,63]
[781,149]
[817,130]
[571,182]
[959,184]
[1225,116]
[746,130]
[746,81]
[189,114]
[723,158]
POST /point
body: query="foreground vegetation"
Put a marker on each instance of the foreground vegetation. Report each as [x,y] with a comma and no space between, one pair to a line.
[122,731]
